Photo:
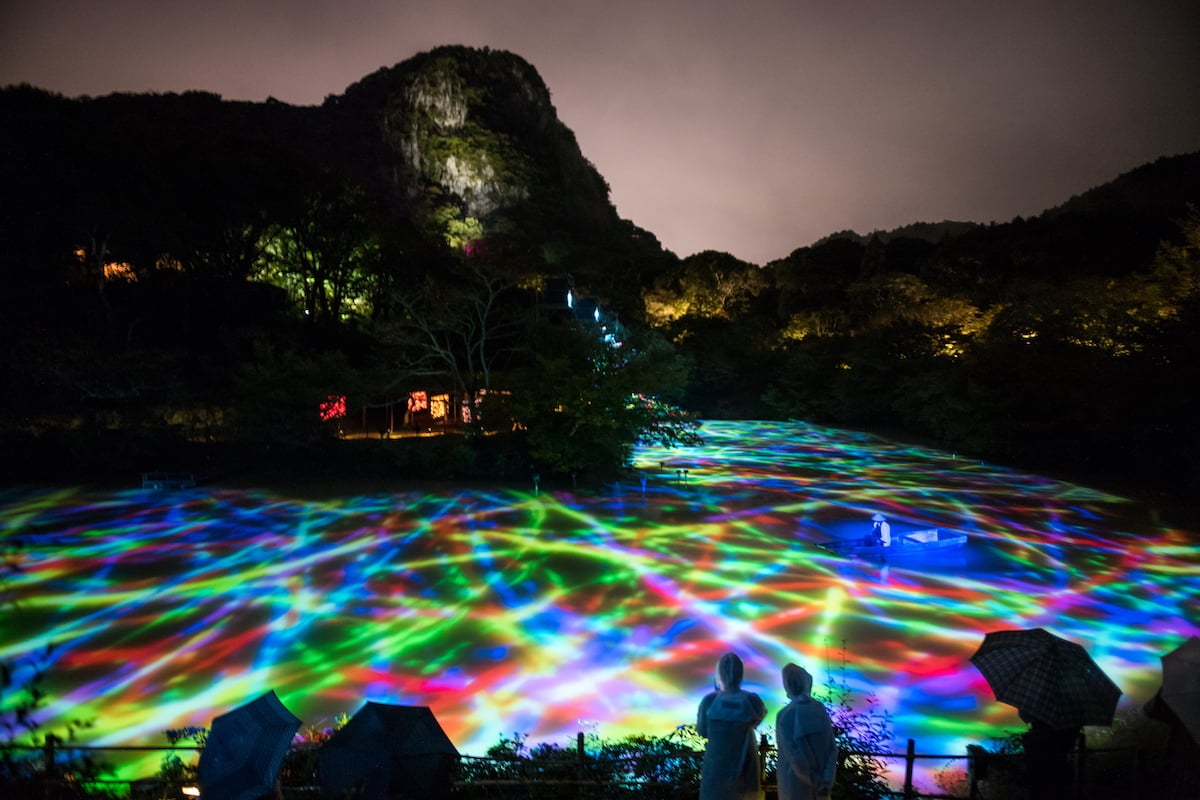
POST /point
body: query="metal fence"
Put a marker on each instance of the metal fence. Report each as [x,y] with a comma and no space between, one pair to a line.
[578,774]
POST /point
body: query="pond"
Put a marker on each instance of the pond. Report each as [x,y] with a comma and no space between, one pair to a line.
[546,613]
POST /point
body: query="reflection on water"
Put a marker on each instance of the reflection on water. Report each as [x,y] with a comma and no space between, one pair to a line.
[506,611]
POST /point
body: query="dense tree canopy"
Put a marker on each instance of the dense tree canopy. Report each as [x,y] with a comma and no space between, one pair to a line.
[1051,367]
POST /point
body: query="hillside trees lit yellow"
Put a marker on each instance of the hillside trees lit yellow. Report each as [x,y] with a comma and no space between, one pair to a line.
[327,253]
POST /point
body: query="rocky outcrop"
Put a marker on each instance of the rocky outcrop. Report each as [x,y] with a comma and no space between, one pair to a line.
[472,135]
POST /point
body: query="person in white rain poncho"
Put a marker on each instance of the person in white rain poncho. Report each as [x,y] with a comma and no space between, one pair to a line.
[807,754]
[727,718]
[881,531]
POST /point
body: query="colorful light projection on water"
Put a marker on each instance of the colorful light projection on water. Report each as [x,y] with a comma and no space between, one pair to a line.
[508,611]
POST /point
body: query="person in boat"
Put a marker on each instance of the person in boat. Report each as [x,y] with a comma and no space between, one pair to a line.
[881,533]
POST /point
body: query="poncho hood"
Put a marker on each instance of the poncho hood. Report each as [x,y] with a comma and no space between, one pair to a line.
[729,672]
[796,681]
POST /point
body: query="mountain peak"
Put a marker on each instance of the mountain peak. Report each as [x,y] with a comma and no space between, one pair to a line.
[469,136]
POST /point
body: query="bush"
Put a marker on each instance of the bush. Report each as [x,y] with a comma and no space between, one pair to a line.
[638,766]
[174,773]
[861,733]
[642,767]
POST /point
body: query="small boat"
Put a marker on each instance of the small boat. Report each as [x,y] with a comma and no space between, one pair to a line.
[910,543]
[168,480]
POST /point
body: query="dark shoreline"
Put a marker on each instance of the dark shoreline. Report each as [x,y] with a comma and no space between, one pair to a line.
[111,460]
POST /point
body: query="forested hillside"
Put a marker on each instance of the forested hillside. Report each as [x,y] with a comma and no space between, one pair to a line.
[185,273]
[1064,341]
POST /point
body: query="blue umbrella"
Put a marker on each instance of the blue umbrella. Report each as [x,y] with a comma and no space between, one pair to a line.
[245,750]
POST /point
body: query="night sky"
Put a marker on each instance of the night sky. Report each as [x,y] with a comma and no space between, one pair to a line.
[753,127]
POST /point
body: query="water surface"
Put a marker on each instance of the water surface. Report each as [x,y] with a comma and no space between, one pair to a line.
[507,611]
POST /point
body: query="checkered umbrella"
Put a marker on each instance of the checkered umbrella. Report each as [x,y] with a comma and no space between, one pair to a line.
[1047,677]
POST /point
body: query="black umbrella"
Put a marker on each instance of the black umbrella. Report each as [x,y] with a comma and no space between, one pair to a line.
[386,751]
[245,750]
[1047,678]
[1181,685]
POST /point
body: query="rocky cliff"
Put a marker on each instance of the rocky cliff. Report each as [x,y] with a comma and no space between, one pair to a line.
[461,146]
